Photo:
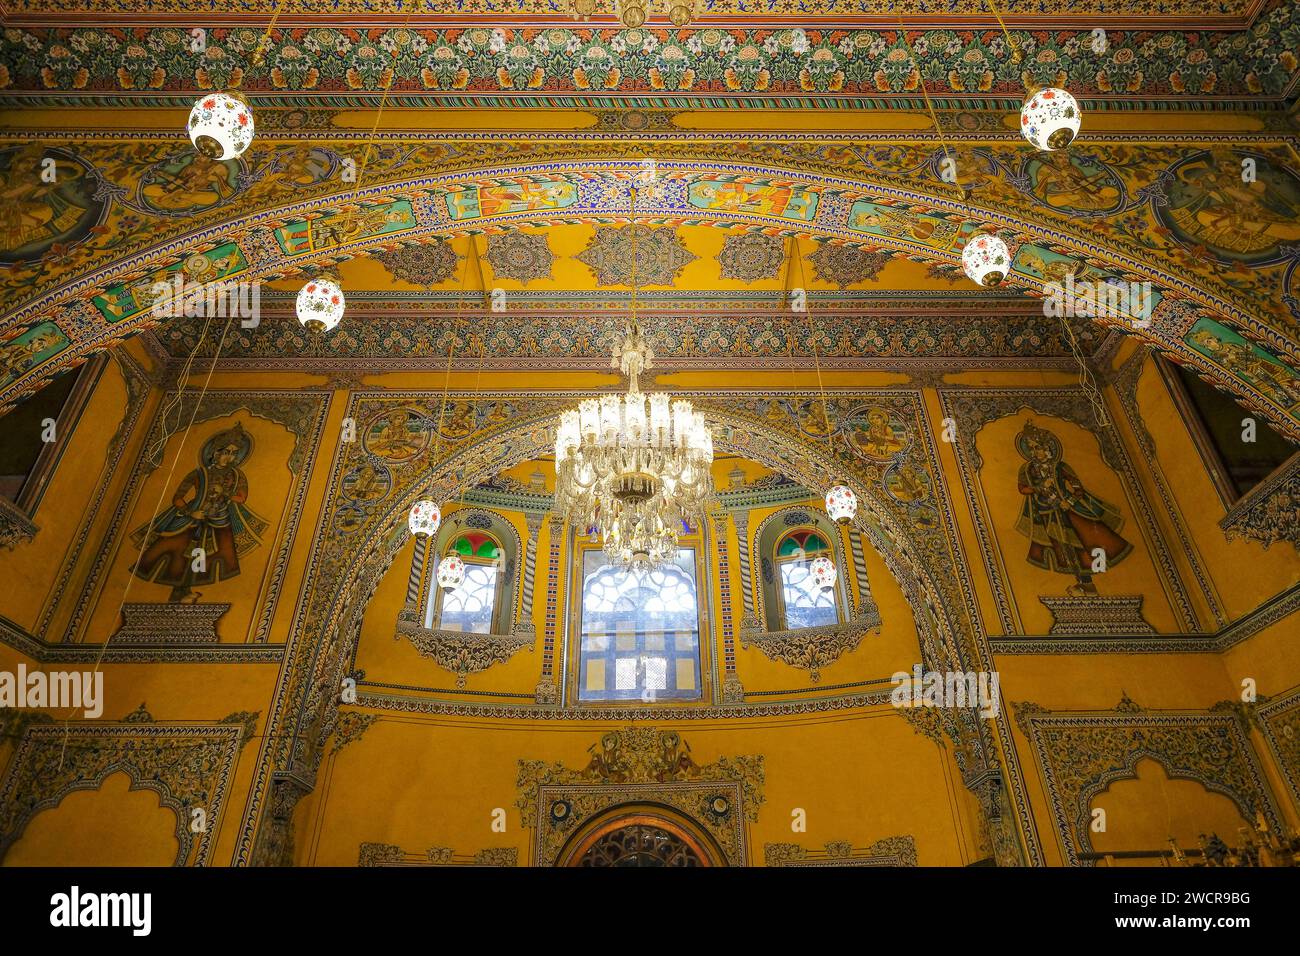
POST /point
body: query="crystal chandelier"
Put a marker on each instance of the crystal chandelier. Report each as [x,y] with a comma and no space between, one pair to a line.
[636,467]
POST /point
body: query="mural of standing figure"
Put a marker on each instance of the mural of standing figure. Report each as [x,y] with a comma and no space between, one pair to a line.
[207,512]
[1065,524]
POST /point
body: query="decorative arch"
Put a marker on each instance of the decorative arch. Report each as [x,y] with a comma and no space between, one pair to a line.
[502,531]
[770,530]
[624,832]
[600,187]
[188,766]
[1083,753]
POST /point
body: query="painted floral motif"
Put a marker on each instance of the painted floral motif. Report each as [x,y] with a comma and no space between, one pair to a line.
[1261,60]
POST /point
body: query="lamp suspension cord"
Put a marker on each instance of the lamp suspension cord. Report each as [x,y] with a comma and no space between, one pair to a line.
[948,152]
[812,341]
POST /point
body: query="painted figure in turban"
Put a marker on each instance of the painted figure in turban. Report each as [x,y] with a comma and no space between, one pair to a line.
[1065,524]
[207,513]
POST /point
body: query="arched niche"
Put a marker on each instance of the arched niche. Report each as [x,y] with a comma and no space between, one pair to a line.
[766,537]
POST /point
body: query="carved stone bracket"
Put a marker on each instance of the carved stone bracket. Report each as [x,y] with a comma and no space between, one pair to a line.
[1117,615]
[15,526]
[461,652]
[170,623]
[891,851]
[808,648]
[275,836]
[1270,511]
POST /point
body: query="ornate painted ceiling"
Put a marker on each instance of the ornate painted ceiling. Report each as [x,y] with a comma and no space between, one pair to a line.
[497,151]
[1245,53]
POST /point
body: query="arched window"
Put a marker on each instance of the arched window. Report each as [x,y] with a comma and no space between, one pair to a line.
[640,631]
[802,602]
[472,606]
[784,547]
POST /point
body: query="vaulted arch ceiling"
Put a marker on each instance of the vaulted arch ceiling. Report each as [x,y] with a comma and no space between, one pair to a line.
[895,206]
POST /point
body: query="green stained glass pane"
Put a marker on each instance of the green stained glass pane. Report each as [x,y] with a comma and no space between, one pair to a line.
[462,546]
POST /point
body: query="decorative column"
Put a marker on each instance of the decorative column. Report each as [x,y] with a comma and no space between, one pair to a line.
[547,691]
[750,621]
[732,691]
[868,613]
[412,614]
[524,627]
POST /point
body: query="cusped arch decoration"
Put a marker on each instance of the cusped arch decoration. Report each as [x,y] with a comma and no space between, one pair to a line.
[189,767]
[348,570]
[605,199]
[641,835]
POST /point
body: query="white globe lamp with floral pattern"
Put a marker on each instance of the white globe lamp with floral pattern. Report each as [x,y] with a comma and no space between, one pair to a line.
[841,503]
[221,126]
[424,518]
[320,305]
[451,572]
[1050,118]
[823,572]
[986,260]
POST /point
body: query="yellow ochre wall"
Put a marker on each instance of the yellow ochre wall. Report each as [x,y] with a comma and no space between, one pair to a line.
[861,773]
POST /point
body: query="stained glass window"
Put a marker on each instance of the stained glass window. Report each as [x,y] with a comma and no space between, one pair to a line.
[640,631]
[804,603]
[471,606]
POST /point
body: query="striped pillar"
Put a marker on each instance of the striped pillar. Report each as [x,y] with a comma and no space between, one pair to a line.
[748,622]
[417,570]
[525,623]
[868,613]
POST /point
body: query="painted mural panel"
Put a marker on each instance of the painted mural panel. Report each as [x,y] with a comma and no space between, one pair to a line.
[1213,206]
[1065,523]
[1074,182]
[29,349]
[121,302]
[205,526]
[337,228]
[758,198]
[47,200]
[209,514]
[1247,362]
[1062,522]
[888,222]
[480,201]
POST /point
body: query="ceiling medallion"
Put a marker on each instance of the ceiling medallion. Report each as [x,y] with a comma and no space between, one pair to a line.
[847,265]
[520,256]
[750,256]
[424,264]
[660,255]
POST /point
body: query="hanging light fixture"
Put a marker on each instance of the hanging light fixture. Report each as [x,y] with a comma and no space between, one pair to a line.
[221,126]
[822,570]
[637,468]
[1050,118]
[424,518]
[451,572]
[320,305]
[986,259]
[841,503]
